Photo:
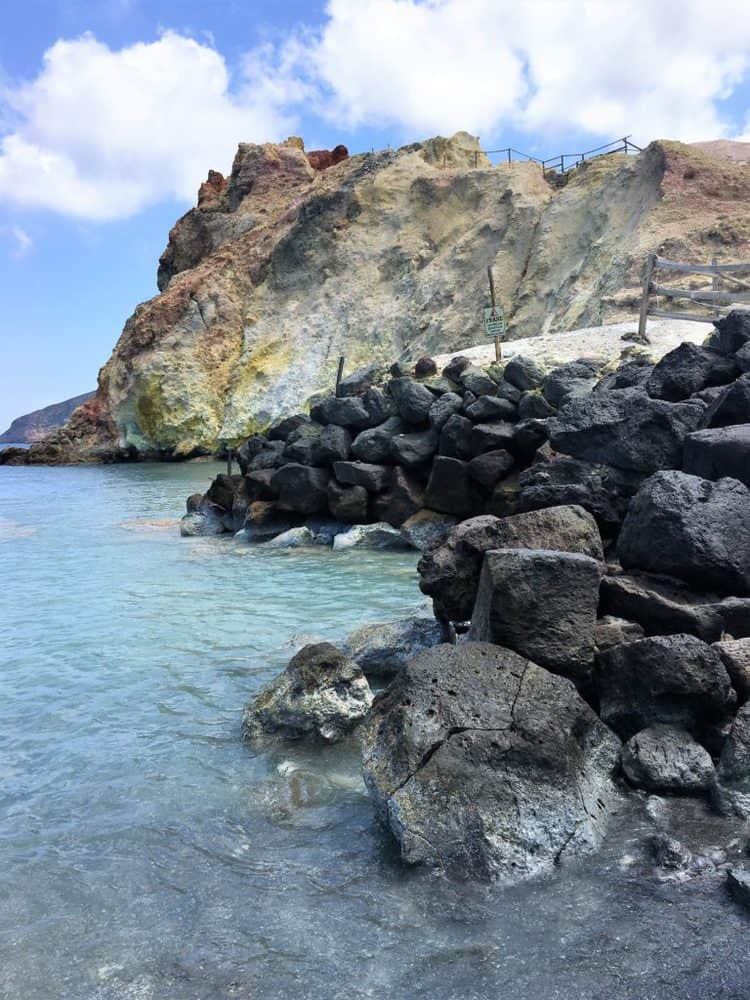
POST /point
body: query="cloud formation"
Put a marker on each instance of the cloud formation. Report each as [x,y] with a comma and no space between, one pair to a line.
[100,134]
[23,242]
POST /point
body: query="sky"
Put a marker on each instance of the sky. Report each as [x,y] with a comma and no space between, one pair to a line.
[113,111]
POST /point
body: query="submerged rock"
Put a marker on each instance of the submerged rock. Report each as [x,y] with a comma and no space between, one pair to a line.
[200,523]
[382,649]
[294,538]
[370,536]
[427,528]
[483,763]
[322,694]
[667,759]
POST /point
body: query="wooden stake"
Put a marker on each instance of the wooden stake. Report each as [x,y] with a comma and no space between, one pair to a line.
[339,374]
[643,318]
[498,348]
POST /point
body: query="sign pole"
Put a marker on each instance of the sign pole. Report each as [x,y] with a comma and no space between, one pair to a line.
[498,348]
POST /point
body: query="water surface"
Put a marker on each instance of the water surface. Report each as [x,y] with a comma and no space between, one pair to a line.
[148,853]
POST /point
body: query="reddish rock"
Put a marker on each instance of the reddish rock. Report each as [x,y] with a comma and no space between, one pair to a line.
[321,159]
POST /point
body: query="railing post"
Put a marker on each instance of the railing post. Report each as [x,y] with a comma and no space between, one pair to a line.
[715,286]
[643,318]
[339,374]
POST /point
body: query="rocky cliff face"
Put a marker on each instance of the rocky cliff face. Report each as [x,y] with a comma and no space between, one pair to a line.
[295,259]
[36,425]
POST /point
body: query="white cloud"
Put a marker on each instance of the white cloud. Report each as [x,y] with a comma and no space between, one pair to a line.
[23,242]
[101,134]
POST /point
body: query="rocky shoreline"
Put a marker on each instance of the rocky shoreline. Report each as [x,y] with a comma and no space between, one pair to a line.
[585,540]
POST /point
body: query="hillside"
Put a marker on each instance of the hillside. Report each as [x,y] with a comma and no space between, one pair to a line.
[36,425]
[288,263]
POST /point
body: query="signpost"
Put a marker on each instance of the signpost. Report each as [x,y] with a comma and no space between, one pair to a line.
[494,318]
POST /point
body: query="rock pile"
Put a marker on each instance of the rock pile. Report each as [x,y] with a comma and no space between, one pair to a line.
[604,587]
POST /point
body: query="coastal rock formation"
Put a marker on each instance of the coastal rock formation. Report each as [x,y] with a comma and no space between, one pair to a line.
[481,762]
[36,425]
[291,261]
[321,695]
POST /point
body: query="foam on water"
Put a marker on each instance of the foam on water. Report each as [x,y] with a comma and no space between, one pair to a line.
[147,852]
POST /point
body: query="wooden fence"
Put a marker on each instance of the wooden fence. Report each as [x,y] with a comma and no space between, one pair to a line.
[563,162]
[715,299]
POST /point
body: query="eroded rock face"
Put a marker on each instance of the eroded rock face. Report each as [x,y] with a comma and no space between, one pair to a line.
[322,695]
[483,763]
[696,530]
[450,573]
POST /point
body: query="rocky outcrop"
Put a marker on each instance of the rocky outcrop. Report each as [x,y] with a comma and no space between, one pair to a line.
[36,425]
[291,261]
[482,763]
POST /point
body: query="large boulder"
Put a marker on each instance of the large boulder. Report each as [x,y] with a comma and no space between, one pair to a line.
[345,411]
[732,406]
[381,649]
[427,528]
[667,759]
[731,789]
[455,437]
[443,409]
[541,604]
[625,428]
[202,523]
[301,441]
[484,764]
[576,378]
[688,369]
[493,436]
[321,695]
[488,469]
[413,401]
[477,381]
[636,371]
[450,572]
[373,478]
[719,452]
[333,444]
[301,488]
[281,429]
[735,655]
[662,605]
[348,503]
[375,444]
[413,450]
[490,408]
[732,332]
[674,679]
[690,528]
[450,488]
[602,490]
[524,373]
[403,497]
[359,381]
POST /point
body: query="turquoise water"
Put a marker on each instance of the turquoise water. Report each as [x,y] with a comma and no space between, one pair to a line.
[146,852]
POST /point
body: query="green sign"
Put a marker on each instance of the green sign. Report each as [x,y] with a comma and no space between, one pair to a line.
[494,321]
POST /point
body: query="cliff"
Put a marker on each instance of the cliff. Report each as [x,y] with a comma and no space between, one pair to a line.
[294,260]
[36,425]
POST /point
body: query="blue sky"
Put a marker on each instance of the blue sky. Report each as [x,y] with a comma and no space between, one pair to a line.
[111,112]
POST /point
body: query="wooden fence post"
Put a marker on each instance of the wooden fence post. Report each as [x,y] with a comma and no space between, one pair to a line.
[339,374]
[715,286]
[498,348]
[650,264]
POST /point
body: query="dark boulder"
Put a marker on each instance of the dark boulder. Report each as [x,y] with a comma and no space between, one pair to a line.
[193,502]
[674,679]
[528,437]
[732,332]
[379,406]
[490,408]
[612,631]
[259,485]
[506,390]
[281,429]
[270,457]
[477,381]
[412,400]
[346,411]
[731,789]
[374,478]
[576,378]
[376,443]
[383,648]
[424,367]
[492,437]
[348,503]
[696,530]
[449,574]
[301,488]
[455,367]
[625,428]
[533,406]
[667,759]
[484,764]
[222,490]
[541,604]
[248,450]
[688,369]
[731,407]
[444,408]
[627,375]
[455,437]
[524,373]
[427,529]
[332,445]
[403,497]
[601,489]
[735,655]
[662,605]
[300,443]
[359,381]
[488,469]
[742,357]
[450,489]
[719,452]
[414,450]
[321,695]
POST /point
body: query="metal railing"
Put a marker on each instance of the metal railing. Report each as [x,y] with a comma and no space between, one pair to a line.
[563,162]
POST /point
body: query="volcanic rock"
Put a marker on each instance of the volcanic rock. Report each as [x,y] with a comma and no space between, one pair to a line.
[667,759]
[381,649]
[719,452]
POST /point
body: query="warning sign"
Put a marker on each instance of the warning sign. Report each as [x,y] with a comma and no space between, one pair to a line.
[494,321]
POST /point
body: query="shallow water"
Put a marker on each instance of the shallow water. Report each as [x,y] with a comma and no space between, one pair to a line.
[148,853]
